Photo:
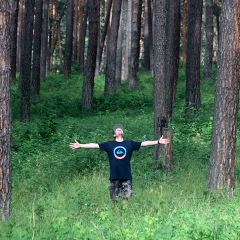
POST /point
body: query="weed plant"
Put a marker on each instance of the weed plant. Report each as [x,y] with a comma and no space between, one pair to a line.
[59,193]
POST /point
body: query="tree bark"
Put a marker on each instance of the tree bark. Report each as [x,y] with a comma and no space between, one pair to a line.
[89,73]
[44,40]
[135,43]
[26,60]
[209,41]
[223,149]
[14,25]
[159,46]
[110,81]
[5,112]
[184,29]
[193,98]
[172,53]
[37,49]
[69,40]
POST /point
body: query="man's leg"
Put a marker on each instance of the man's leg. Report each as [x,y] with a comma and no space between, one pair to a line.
[114,190]
[127,191]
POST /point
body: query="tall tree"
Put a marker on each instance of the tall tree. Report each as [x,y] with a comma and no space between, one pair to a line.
[135,43]
[184,32]
[89,72]
[84,32]
[44,40]
[5,112]
[172,52]
[193,98]
[159,58]
[110,81]
[209,41]
[14,25]
[69,39]
[223,149]
[26,60]
[147,34]
[37,48]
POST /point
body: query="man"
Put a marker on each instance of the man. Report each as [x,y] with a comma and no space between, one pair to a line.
[119,153]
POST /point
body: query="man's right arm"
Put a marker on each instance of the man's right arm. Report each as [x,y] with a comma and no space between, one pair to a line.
[76,144]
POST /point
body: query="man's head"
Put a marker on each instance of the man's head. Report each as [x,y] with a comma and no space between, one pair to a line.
[118,129]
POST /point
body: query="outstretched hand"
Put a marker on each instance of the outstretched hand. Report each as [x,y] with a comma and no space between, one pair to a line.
[164,140]
[74,145]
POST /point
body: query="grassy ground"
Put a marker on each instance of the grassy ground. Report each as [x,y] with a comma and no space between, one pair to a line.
[59,193]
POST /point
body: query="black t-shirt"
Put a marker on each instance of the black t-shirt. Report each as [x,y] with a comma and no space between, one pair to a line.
[119,154]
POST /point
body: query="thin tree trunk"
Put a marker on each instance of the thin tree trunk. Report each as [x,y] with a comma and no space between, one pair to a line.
[184,29]
[26,60]
[193,98]
[37,49]
[14,25]
[69,40]
[209,41]
[135,44]
[110,81]
[44,40]
[89,73]
[5,113]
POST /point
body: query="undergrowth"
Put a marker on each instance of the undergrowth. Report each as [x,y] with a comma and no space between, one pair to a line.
[59,193]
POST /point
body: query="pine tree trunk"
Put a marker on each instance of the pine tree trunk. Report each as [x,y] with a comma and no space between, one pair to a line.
[14,25]
[135,44]
[89,72]
[193,98]
[224,133]
[26,60]
[209,41]
[37,48]
[5,113]
[69,40]
[110,81]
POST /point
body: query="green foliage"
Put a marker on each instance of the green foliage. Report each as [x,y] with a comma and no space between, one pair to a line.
[59,193]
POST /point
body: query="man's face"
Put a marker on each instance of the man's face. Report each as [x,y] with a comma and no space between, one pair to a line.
[118,132]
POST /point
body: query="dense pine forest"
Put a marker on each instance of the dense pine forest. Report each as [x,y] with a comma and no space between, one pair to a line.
[71,70]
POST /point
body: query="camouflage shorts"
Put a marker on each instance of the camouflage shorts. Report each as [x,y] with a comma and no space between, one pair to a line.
[120,186]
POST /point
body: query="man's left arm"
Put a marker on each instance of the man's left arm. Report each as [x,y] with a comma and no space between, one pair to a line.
[156,142]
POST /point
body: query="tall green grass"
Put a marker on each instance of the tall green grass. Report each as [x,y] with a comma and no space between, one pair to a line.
[59,193]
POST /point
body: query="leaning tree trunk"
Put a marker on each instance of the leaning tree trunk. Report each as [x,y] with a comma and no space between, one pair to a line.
[193,98]
[5,112]
[209,41]
[224,133]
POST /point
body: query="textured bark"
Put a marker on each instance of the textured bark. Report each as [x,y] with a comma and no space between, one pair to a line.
[26,60]
[209,41]
[14,24]
[135,43]
[110,81]
[159,46]
[69,40]
[44,40]
[148,44]
[193,98]
[89,73]
[184,29]
[37,48]
[84,32]
[223,149]
[5,112]
[172,52]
